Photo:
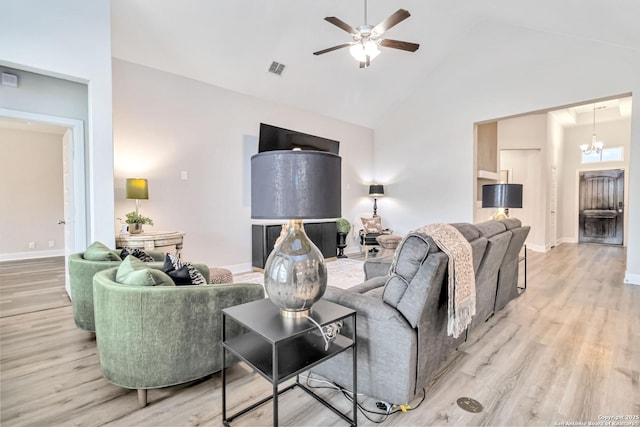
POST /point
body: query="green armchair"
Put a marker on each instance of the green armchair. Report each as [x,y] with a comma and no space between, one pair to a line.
[159,336]
[83,266]
[81,272]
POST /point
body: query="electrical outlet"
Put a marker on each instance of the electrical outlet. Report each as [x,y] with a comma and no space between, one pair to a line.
[52,243]
[32,245]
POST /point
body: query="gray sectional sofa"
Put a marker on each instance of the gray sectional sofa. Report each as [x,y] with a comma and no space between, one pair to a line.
[402,341]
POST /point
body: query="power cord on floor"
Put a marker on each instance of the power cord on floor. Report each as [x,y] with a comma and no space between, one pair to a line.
[388,408]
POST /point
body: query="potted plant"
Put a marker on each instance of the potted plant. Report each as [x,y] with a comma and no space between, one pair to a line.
[135,221]
[343,226]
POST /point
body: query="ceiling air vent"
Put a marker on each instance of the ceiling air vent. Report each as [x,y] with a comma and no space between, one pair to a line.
[276,68]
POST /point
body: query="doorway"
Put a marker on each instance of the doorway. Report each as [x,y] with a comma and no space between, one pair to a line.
[601,208]
[75,208]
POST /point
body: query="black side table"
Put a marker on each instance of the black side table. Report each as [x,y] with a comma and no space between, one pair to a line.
[280,348]
[520,259]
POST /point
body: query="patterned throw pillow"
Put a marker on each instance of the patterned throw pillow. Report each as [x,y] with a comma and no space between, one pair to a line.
[173,264]
[372,225]
[138,253]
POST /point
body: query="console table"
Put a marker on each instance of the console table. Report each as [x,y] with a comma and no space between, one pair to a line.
[281,348]
[149,240]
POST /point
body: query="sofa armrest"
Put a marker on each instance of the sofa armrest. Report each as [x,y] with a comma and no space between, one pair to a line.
[386,349]
[157,255]
[365,305]
[378,266]
[369,285]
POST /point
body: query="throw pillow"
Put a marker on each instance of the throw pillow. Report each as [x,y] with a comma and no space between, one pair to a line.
[141,254]
[134,272]
[100,252]
[180,276]
[172,262]
[372,225]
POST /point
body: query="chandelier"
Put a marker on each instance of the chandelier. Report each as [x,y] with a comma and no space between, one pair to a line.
[596,146]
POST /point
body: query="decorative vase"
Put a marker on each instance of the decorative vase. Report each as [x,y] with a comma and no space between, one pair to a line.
[135,228]
[342,243]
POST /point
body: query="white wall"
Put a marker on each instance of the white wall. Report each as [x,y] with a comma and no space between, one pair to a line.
[31,192]
[165,124]
[41,94]
[522,145]
[71,39]
[555,158]
[614,133]
[424,148]
[527,170]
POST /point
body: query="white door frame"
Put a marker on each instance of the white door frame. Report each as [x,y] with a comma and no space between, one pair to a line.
[77,169]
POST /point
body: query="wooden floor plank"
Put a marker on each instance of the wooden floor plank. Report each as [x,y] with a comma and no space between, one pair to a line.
[568,349]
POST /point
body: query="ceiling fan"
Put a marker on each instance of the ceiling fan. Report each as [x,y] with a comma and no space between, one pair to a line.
[366,38]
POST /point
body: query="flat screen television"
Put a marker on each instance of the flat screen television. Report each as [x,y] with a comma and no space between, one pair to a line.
[275,138]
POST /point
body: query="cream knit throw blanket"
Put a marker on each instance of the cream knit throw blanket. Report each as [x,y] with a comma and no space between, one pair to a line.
[462,281]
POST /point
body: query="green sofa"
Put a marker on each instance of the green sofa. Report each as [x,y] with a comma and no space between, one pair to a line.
[81,272]
[159,336]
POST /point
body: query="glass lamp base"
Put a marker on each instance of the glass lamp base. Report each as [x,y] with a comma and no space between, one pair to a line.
[501,213]
[295,274]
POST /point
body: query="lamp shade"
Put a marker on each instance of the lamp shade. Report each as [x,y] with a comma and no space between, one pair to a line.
[295,184]
[376,190]
[137,188]
[502,196]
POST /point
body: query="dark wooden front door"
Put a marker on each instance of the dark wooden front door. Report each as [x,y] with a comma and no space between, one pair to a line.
[601,207]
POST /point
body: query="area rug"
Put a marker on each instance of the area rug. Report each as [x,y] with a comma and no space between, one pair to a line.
[342,273]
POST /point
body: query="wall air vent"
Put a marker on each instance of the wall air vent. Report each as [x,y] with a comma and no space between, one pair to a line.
[276,68]
[10,80]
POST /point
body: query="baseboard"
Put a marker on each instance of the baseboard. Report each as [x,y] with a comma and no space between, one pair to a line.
[567,240]
[632,279]
[15,256]
[536,248]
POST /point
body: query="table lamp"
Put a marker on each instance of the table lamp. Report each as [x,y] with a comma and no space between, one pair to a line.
[137,189]
[376,191]
[503,197]
[295,185]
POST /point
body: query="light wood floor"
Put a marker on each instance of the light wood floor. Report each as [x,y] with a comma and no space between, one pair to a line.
[567,350]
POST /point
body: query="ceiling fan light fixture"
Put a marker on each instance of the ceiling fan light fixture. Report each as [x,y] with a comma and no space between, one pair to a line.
[360,51]
[366,40]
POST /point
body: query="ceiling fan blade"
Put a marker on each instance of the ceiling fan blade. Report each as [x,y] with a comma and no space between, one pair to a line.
[331,49]
[341,24]
[397,44]
[393,20]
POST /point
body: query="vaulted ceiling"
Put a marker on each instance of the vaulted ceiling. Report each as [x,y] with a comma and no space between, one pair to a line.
[231,43]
